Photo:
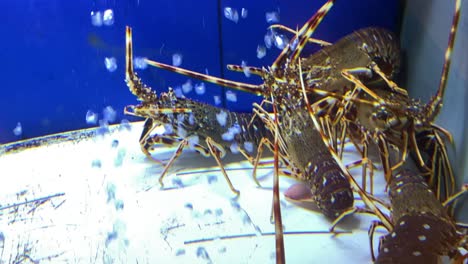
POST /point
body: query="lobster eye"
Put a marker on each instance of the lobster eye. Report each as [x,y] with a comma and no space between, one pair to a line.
[382,114]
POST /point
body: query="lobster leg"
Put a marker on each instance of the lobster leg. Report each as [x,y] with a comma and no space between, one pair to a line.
[176,154]
[371,232]
[217,152]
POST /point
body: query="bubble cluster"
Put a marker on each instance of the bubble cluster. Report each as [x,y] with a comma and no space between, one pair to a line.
[111,63]
[231,133]
[108,17]
[99,18]
[140,63]
[272,17]
[231,14]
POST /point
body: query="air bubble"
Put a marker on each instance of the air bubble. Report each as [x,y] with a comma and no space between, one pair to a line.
[140,63]
[191,119]
[176,59]
[200,88]
[231,96]
[103,128]
[125,124]
[119,205]
[110,190]
[111,64]
[269,38]
[181,132]
[180,252]
[217,99]
[178,92]
[193,140]
[212,179]
[120,157]
[272,17]
[180,118]
[234,148]
[108,17]
[249,146]
[177,182]
[96,18]
[111,236]
[18,130]
[218,212]
[168,129]
[109,114]
[188,206]
[91,118]
[187,87]
[231,14]
[294,44]
[245,69]
[208,212]
[235,129]
[228,136]
[96,163]
[244,13]
[281,41]
[235,205]
[261,51]
[222,249]
[221,117]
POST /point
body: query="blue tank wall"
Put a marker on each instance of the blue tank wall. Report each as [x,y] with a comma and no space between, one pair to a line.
[53,57]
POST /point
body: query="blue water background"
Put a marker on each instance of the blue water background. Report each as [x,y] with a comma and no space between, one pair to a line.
[53,57]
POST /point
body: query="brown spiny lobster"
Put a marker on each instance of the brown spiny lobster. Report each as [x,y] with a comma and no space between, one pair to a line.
[423,230]
[390,118]
[209,130]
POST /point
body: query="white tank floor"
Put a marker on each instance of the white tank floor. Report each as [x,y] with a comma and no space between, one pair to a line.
[83,200]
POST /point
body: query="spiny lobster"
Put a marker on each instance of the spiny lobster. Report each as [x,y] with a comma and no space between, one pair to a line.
[211,131]
[389,117]
[422,229]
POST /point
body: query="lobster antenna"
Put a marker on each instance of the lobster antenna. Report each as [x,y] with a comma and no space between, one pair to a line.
[302,37]
[436,102]
[245,87]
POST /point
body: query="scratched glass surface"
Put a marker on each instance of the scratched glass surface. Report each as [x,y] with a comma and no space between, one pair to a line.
[92,196]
